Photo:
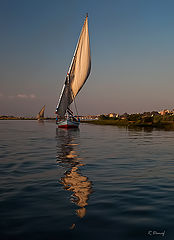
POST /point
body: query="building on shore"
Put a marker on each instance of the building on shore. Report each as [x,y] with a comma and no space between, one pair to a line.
[166,111]
[113,115]
[89,117]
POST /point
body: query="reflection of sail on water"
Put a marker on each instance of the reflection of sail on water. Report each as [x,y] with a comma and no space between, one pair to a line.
[73,180]
[81,187]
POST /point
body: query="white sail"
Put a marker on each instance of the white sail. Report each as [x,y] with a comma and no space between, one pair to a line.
[82,62]
[78,72]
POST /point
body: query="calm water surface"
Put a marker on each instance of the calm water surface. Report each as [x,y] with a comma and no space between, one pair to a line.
[99,182]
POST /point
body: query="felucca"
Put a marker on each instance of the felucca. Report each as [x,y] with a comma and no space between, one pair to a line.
[76,77]
[40,115]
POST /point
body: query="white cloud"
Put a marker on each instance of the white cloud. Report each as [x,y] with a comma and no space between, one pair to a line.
[32,96]
[23,96]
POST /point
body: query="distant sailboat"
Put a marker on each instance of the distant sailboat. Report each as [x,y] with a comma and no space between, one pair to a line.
[76,77]
[40,115]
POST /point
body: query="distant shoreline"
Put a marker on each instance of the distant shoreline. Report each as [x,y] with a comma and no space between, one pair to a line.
[163,124]
[126,123]
[23,118]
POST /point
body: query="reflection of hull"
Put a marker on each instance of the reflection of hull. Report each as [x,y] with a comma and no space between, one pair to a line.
[68,124]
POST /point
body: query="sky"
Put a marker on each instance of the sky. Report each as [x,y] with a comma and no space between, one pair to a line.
[132,54]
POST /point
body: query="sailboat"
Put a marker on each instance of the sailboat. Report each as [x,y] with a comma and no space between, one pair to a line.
[40,115]
[75,78]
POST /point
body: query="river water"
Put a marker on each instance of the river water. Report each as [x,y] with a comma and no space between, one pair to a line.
[98,182]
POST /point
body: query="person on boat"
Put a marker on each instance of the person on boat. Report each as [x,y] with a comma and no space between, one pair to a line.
[57,118]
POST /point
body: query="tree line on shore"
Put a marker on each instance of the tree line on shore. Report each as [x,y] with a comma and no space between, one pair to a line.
[146,119]
[143,117]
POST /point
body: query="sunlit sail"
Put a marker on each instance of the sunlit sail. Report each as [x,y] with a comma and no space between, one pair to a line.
[40,115]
